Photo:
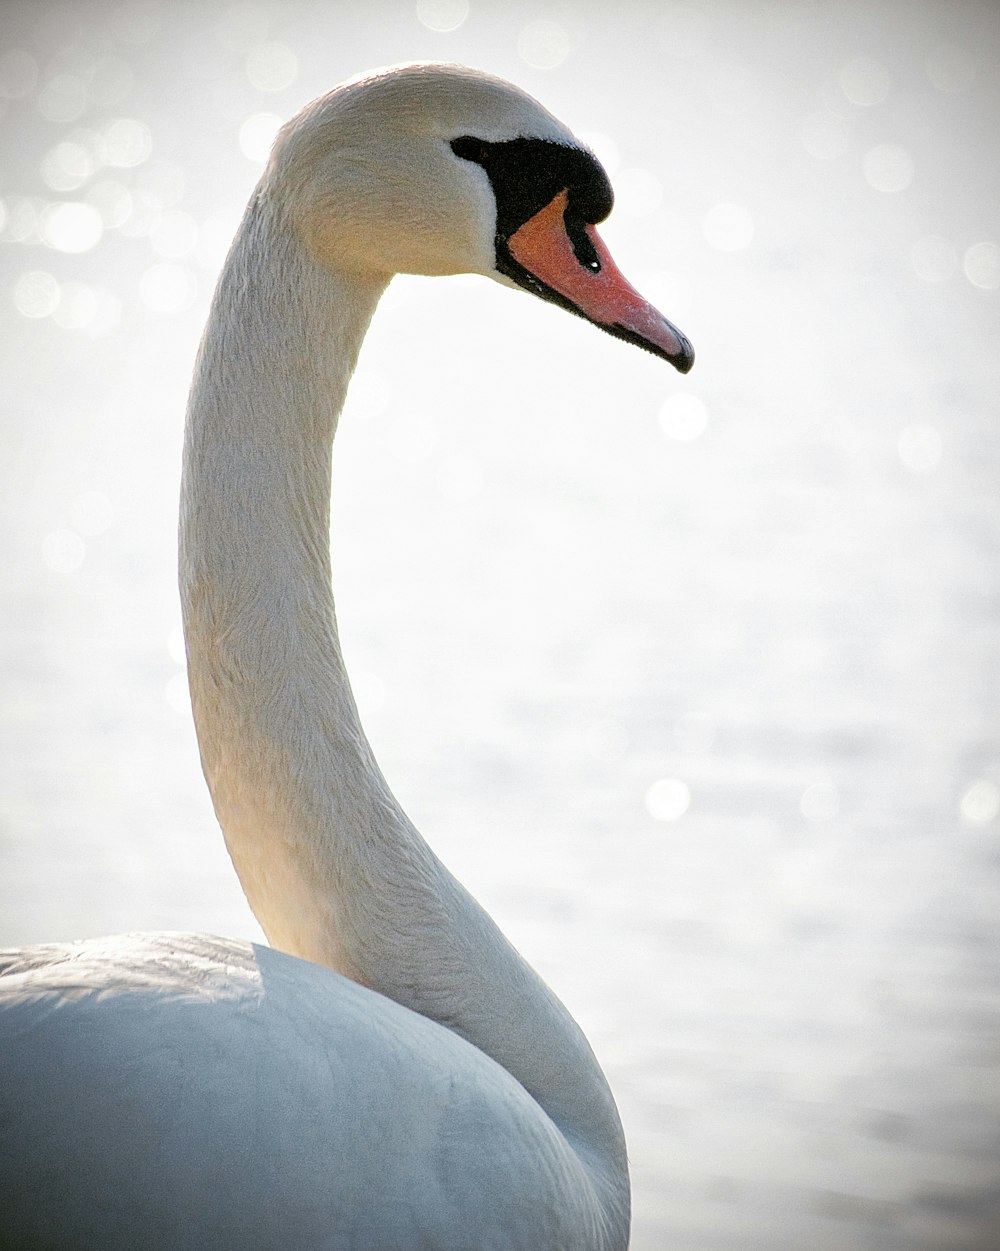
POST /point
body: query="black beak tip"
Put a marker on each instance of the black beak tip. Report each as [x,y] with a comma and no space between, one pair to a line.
[683,360]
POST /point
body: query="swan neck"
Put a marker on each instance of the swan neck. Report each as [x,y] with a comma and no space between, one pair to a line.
[331,865]
[286,761]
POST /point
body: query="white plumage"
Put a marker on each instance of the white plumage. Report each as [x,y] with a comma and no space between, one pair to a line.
[402,1078]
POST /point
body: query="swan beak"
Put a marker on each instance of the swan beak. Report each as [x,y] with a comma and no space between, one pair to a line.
[593,286]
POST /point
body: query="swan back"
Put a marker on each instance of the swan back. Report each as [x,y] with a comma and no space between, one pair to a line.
[218,1093]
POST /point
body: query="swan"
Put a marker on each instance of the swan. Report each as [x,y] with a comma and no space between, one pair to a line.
[389,1072]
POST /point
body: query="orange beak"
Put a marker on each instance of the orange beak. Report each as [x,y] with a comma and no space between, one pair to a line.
[594,287]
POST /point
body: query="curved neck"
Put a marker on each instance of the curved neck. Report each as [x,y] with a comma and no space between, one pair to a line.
[331,866]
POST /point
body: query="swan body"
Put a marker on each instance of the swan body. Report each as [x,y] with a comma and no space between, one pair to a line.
[390,1073]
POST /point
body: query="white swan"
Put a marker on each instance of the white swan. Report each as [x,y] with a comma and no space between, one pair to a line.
[409,1081]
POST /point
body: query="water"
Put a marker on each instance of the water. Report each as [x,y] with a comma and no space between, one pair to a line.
[692,681]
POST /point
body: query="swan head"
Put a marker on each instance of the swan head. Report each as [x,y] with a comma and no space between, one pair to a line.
[440,169]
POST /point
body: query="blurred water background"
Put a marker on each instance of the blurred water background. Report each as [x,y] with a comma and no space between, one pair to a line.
[693,681]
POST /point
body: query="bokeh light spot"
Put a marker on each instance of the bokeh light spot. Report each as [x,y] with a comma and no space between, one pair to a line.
[543,44]
[127,142]
[683,417]
[728,227]
[174,235]
[271,66]
[951,69]
[63,98]
[888,167]
[981,263]
[78,306]
[442,16]
[72,226]
[36,294]
[21,220]
[112,200]
[168,288]
[980,802]
[143,213]
[865,81]
[107,311]
[257,134]
[67,166]
[668,799]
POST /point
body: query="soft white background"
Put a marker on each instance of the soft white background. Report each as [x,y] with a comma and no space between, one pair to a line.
[694,681]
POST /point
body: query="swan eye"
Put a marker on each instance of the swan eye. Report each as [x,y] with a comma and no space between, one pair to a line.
[583,247]
[527,173]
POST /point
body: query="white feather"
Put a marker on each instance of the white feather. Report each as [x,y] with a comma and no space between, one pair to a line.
[424,1088]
